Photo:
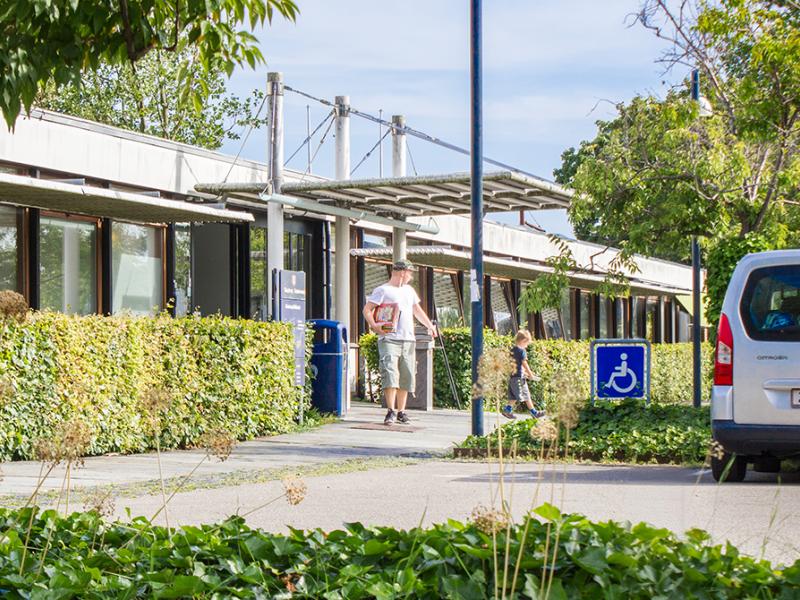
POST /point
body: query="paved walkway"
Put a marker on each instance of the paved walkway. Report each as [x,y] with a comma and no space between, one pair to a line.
[430,433]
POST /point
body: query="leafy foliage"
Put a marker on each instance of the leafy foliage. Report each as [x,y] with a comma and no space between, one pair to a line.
[660,172]
[57,41]
[150,99]
[218,373]
[627,431]
[671,369]
[90,558]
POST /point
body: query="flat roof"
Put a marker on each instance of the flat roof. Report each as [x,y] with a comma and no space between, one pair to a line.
[447,258]
[101,202]
[419,196]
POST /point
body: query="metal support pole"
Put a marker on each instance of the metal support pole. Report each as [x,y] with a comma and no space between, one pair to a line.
[476,160]
[308,135]
[696,323]
[342,234]
[399,242]
[275,257]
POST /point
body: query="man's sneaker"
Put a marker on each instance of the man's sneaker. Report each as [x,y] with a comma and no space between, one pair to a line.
[402,417]
[389,418]
[508,414]
[538,414]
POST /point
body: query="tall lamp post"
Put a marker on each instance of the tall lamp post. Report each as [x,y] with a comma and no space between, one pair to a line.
[476,181]
[696,325]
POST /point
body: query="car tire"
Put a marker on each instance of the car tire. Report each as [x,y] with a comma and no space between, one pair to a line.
[735,473]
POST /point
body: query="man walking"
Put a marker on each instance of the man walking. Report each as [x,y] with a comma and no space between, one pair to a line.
[390,312]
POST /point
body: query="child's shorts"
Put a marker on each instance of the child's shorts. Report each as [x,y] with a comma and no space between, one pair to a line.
[518,389]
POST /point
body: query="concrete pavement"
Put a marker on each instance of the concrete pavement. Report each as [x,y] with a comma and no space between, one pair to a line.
[430,433]
[758,515]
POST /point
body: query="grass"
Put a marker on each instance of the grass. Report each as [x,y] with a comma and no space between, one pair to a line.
[152,487]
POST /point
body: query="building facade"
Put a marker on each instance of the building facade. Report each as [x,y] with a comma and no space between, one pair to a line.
[94,219]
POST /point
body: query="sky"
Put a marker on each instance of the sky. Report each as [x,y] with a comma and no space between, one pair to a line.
[551,69]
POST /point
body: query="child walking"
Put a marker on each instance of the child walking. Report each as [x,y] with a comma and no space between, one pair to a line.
[518,385]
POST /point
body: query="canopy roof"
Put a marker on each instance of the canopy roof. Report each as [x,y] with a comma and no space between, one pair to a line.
[447,258]
[102,202]
[423,196]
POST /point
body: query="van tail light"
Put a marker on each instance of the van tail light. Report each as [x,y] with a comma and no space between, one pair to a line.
[723,357]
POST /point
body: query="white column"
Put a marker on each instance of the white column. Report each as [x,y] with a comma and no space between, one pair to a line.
[275,257]
[341,286]
[399,243]
[342,242]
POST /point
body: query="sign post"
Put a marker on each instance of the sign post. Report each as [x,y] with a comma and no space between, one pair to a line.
[289,305]
[620,369]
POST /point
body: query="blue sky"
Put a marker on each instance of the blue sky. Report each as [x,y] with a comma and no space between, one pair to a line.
[551,69]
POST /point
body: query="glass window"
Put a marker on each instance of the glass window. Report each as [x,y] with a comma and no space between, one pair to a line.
[258,273]
[602,315]
[501,311]
[585,310]
[297,257]
[372,240]
[136,269]
[10,237]
[566,313]
[770,305]
[619,309]
[445,297]
[183,269]
[68,265]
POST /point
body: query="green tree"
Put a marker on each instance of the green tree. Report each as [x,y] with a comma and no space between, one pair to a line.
[660,173]
[58,41]
[146,99]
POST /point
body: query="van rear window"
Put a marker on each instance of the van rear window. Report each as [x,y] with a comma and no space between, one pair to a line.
[770,305]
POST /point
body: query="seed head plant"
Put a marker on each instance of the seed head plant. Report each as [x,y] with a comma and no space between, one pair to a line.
[13,305]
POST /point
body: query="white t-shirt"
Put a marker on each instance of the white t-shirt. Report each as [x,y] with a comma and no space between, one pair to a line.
[405,297]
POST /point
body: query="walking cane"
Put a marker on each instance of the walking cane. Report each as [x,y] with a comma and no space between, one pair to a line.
[450,377]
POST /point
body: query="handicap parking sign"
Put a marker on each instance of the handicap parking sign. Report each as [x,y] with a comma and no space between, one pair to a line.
[620,369]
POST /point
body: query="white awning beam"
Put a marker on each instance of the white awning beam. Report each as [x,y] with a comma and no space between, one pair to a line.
[359,215]
[73,198]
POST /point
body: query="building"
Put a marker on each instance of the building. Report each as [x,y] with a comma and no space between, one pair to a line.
[94,219]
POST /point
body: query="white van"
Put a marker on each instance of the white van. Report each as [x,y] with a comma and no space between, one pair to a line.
[755,401]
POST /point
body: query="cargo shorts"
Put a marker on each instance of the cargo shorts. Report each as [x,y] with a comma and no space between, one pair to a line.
[398,363]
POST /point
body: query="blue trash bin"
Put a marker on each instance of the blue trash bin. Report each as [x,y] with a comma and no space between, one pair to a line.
[329,365]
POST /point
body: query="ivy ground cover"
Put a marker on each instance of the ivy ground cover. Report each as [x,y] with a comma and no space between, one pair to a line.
[628,431]
[82,556]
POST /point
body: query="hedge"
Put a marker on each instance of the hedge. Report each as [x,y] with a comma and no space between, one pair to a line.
[217,372]
[82,556]
[671,366]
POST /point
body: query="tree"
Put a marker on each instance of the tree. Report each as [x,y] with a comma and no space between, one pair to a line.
[660,173]
[57,41]
[145,99]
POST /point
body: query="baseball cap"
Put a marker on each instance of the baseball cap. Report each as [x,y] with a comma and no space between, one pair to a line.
[402,265]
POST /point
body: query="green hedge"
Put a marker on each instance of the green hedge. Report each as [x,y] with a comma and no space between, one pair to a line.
[219,373]
[626,431]
[82,556]
[671,367]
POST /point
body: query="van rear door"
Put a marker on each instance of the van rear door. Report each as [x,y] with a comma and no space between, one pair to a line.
[766,353]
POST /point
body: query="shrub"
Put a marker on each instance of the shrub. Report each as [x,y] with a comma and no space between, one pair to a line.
[671,372]
[626,431]
[217,373]
[84,557]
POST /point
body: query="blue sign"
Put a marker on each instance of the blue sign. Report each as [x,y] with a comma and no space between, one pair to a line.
[289,300]
[620,369]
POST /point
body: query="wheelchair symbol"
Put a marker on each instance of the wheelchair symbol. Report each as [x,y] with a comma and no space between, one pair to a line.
[622,371]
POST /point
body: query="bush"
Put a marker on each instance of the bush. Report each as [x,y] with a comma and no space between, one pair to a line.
[217,373]
[89,558]
[671,372]
[627,431]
